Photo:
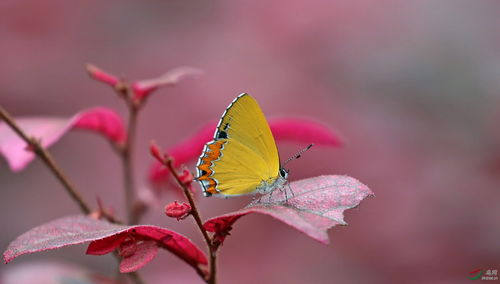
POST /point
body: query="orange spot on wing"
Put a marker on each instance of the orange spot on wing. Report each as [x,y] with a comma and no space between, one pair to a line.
[212,153]
[212,190]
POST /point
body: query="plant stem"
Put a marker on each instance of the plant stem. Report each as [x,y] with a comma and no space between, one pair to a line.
[213,266]
[128,171]
[196,215]
[136,278]
[47,159]
[56,170]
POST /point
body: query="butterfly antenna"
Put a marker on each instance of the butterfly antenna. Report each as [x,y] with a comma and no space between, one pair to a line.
[298,154]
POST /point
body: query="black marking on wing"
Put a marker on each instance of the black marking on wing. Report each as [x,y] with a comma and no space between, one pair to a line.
[222,135]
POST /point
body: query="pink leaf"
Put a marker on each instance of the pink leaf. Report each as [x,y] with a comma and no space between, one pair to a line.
[102,120]
[145,252]
[317,204]
[284,129]
[144,87]
[49,130]
[104,237]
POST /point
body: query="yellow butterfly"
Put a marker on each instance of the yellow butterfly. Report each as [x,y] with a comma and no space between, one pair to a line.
[243,157]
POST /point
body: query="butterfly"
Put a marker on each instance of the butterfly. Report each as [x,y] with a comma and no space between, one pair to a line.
[242,158]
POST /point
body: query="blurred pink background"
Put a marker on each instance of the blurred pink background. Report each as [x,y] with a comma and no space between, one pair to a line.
[412,85]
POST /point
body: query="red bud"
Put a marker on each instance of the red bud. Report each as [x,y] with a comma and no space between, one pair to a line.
[178,210]
[101,75]
[156,153]
[186,177]
[141,92]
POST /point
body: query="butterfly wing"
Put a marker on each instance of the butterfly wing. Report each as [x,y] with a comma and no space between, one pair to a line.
[230,168]
[244,121]
[243,152]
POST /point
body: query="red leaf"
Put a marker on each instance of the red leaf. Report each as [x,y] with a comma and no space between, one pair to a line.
[103,235]
[284,129]
[183,152]
[145,252]
[128,247]
[49,130]
[317,204]
[106,245]
[305,131]
[144,87]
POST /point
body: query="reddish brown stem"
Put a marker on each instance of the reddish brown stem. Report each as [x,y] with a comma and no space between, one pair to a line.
[128,171]
[136,278]
[126,152]
[46,157]
[211,279]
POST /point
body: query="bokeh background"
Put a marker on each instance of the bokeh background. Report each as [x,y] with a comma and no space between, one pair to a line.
[413,86]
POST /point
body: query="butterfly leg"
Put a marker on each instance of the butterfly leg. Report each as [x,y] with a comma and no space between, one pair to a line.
[269,196]
[283,190]
[291,191]
[255,197]
[286,194]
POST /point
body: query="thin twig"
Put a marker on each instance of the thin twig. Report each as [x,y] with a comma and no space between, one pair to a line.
[128,171]
[126,151]
[194,211]
[47,159]
[136,277]
[202,273]
[213,266]
[196,215]
[56,170]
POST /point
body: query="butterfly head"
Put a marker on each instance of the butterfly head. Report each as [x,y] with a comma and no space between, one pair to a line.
[284,173]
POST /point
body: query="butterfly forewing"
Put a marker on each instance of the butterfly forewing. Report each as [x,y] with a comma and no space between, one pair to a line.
[243,152]
[244,121]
